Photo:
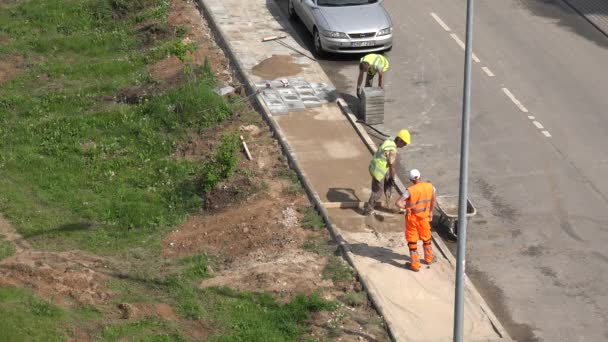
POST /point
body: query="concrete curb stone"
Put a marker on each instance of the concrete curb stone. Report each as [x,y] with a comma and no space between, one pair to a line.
[594,11]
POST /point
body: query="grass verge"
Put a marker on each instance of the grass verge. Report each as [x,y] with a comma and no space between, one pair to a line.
[81,171]
[25,317]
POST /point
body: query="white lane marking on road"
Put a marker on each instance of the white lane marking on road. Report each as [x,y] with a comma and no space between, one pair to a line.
[547,134]
[440,22]
[514,100]
[538,125]
[531,117]
[461,44]
[455,37]
[487,71]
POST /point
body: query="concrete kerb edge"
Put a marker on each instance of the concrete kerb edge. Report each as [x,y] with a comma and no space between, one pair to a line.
[593,23]
[436,238]
[250,87]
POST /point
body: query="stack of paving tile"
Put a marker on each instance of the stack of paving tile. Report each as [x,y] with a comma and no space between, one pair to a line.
[372,105]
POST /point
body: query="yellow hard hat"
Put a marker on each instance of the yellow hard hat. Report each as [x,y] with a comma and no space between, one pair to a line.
[404,135]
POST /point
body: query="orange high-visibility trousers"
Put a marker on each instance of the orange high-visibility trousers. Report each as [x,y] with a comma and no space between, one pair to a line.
[418,229]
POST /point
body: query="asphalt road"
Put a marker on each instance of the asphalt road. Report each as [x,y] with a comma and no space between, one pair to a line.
[539,154]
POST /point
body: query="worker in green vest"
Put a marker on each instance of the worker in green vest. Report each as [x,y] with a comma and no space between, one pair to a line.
[382,168]
[372,64]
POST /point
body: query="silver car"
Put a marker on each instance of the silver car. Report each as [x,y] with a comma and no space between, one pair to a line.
[345,26]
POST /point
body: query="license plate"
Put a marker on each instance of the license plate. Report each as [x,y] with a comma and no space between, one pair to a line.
[362,44]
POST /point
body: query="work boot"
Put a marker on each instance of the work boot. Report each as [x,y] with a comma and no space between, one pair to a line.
[368,210]
[428,252]
[414,264]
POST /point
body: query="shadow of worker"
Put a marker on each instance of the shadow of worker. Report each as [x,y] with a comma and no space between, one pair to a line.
[382,254]
[344,195]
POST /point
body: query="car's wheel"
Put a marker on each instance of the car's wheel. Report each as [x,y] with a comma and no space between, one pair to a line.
[292,11]
[319,52]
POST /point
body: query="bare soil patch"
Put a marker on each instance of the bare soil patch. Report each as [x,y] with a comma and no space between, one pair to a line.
[285,274]
[67,278]
[277,66]
[10,67]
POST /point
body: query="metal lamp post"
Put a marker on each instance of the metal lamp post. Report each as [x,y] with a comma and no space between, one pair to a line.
[464,180]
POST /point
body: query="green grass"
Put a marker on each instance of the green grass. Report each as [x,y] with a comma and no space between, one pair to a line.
[27,318]
[235,315]
[149,329]
[295,187]
[7,248]
[354,299]
[258,317]
[320,246]
[337,269]
[311,219]
[81,172]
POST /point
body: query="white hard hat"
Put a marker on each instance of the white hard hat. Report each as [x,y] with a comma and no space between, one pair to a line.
[414,174]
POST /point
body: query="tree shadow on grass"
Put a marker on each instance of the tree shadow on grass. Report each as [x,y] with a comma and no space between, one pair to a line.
[63,229]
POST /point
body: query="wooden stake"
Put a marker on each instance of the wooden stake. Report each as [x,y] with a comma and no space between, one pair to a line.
[246,149]
[267,39]
[335,205]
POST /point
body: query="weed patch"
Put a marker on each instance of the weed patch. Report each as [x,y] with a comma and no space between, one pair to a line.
[337,270]
[7,248]
[311,219]
[354,299]
[258,317]
[149,329]
[222,164]
[320,246]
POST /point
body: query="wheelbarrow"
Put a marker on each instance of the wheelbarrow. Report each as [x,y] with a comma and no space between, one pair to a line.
[447,206]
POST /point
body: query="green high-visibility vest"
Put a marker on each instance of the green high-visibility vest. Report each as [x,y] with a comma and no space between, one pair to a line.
[376,63]
[378,167]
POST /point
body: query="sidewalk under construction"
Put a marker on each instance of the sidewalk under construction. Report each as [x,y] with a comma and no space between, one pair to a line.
[331,154]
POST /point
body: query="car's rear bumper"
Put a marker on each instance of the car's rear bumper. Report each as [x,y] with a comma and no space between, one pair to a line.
[350,45]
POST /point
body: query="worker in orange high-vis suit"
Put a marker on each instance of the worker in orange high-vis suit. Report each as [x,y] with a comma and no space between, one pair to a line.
[418,202]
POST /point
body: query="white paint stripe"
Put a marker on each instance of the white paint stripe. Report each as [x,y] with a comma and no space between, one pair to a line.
[531,117]
[461,44]
[457,40]
[538,125]
[547,134]
[440,22]
[487,71]
[516,101]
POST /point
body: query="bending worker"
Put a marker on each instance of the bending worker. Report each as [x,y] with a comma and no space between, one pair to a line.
[418,202]
[382,168]
[372,64]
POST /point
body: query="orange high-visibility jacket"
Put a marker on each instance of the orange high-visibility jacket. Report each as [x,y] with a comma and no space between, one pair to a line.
[419,202]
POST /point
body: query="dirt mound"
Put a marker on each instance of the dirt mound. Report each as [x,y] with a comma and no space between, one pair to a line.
[254,224]
[10,68]
[291,272]
[277,66]
[66,278]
